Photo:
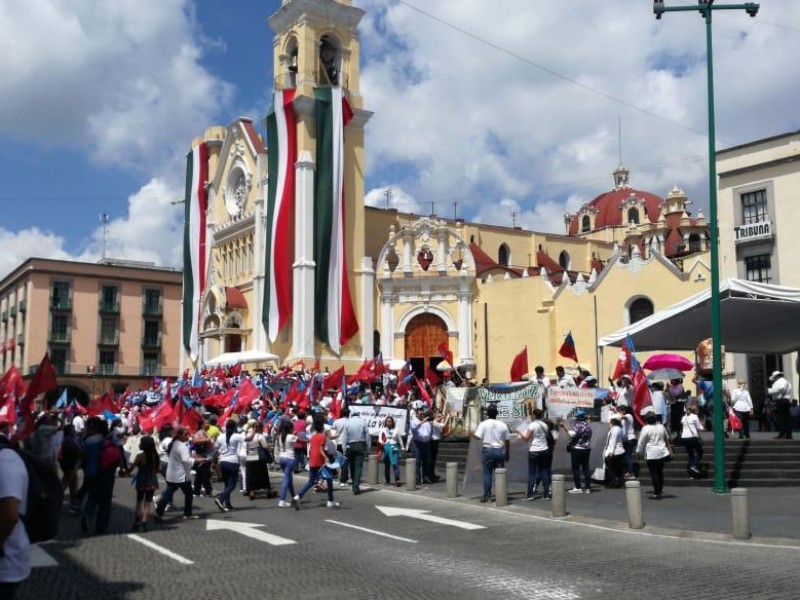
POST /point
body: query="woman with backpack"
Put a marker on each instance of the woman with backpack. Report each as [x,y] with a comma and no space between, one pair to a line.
[69,459]
[102,459]
[392,441]
[227,461]
[286,459]
[258,459]
[317,459]
[654,445]
[539,460]
[146,477]
[580,448]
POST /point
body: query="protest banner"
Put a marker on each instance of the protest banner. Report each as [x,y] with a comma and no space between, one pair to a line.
[375,415]
[562,403]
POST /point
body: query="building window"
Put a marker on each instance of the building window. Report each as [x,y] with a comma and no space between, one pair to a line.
[152,301]
[151,331]
[60,297]
[150,363]
[758,268]
[58,356]
[754,207]
[108,330]
[59,328]
[586,224]
[108,362]
[109,298]
[695,243]
[503,255]
[633,216]
[639,309]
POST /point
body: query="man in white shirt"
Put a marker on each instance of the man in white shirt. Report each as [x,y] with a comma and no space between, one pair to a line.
[624,391]
[15,560]
[563,380]
[780,391]
[179,471]
[493,435]
[339,425]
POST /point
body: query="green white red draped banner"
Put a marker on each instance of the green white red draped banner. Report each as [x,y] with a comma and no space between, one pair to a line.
[335,320]
[194,246]
[282,139]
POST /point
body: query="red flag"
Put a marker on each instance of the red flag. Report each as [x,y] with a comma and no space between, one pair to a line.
[431,377]
[165,414]
[247,394]
[44,380]
[97,406]
[220,400]
[191,420]
[641,395]
[423,393]
[336,409]
[446,353]
[362,374]
[333,380]
[519,366]
[567,349]
[404,380]
[12,387]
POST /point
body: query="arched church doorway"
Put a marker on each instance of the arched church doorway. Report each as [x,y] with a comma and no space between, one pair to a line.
[424,333]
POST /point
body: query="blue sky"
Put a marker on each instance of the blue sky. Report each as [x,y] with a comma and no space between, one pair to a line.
[517,113]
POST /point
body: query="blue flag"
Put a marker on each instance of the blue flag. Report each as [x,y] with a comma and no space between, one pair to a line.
[62,401]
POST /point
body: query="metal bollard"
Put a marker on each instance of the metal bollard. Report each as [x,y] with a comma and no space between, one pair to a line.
[372,470]
[411,474]
[501,487]
[452,480]
[741,514]
[633,496]
[559,490]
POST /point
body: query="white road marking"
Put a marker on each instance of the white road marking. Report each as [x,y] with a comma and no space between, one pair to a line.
[40,558]
[372,531]
[160,549]
[392,511]
[250,530]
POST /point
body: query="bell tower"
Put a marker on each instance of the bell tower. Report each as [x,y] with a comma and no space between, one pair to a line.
[315,51]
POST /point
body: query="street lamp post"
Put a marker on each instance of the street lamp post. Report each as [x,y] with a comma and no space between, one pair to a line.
[706,9]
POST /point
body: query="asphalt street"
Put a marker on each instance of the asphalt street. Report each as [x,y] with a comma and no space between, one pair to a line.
[389,543]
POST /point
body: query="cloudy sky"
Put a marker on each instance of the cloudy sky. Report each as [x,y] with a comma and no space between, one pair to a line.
[500,106]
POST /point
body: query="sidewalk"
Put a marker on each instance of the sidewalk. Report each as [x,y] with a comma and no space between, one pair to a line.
[683,511]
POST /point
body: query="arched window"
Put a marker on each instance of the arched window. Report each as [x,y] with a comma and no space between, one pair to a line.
[633,215]
[563,260]
[695,243]
[586,224]
[639,309]
[503,255]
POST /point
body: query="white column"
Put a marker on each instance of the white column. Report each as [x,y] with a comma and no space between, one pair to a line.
[367,307]
[408,242]
[260,339]
[304,266]
[441,265]
[387,327]
[465,333]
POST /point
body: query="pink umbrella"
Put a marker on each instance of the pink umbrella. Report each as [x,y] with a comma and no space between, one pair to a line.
[668,361]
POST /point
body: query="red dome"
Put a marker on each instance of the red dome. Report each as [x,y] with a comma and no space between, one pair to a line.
[609,212]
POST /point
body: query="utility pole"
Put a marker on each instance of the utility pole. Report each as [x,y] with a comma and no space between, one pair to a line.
[104,221]
[455,210]
[388,193]
[514,219]
[433,208]
[706,9]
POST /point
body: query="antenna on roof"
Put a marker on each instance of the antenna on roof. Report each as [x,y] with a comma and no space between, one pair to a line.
[104,221]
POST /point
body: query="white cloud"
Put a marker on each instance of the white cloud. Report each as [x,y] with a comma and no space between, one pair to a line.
[546,216]
[121,80]
[151,231]
[399,199]
[465,120]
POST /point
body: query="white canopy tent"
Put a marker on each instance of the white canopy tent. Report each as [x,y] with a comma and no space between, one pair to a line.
[756,319]
[244,357]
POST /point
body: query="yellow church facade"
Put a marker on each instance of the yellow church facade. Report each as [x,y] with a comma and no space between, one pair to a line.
[417,281]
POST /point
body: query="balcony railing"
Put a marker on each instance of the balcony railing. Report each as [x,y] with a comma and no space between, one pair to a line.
[152,310]
[152,341]
[150,370]
[12,312]
[108,338]
[23,306]
[61,303]
[106,370]
[60,337]
[21,339]
[109,306]
[4,315]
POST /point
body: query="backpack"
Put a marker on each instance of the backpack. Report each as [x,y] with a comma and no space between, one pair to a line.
[110,455]
[45,497]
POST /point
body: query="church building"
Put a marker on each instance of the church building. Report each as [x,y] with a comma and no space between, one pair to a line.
[297,266]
